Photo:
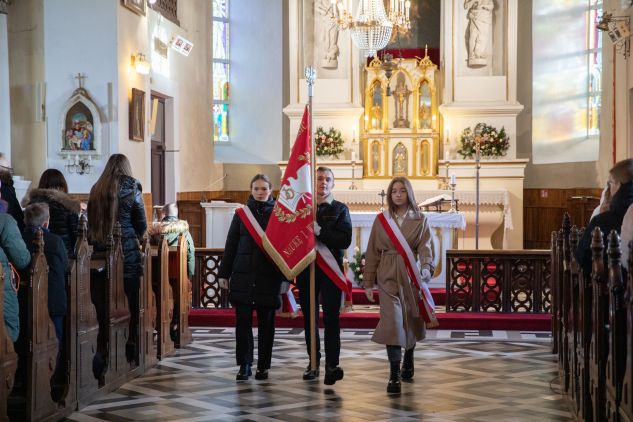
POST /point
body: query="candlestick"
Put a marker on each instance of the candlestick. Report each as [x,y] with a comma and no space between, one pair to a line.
[453,181]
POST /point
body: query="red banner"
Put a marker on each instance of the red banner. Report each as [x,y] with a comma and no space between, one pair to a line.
[289,238]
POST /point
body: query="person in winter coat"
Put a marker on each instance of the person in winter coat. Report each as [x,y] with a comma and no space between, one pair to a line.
[400,325]
[117,196]
[171,227]
[13,250]
[7,191]
[621,190]
[64,210]
[254,281]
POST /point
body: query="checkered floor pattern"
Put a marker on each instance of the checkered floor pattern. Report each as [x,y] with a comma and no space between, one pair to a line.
[460,376]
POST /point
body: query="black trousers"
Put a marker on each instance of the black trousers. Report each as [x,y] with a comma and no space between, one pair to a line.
[244,334]
[330,297]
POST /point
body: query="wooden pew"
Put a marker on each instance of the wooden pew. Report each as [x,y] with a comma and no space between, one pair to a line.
[574,323]
[148,311]
[626,405]
[181,288]
[87,325]
[112,310]
[585,298]
[555,295]
[42,345]
[164,297]
[599,341]
[8,357]
[616,359]
[564,291]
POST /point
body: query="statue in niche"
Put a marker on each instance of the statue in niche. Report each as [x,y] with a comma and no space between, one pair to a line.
[479,27]
[375,157]
[401,96]
[400,160]
[376,109]
[329,38]
[425,106]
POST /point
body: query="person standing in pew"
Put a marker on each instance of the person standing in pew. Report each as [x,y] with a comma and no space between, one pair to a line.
[171,227]
[620,185]
[13,251]
[254,282]
[399,236]
[37,217]
[333,228]
[117,195]
[64,210]
[8,191]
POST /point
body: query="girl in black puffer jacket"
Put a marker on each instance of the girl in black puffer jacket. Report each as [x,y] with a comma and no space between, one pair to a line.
[255,283]
[64,211]
[117,196]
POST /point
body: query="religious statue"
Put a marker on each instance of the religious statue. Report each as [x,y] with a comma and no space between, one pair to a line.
[400,160]
[401,95]
[479,28]
[425,117]
[329,37]
[375,157]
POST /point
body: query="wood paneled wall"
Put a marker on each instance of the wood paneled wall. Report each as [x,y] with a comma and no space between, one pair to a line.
[543,211]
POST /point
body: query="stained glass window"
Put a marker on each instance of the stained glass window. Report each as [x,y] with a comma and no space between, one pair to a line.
[566,68]
[221,66]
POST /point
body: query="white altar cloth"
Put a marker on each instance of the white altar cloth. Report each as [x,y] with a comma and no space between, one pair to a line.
[442,226]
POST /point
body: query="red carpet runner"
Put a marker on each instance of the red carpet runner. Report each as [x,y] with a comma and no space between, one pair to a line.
[369,319]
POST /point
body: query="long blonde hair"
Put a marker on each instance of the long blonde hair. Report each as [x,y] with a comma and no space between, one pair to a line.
[103,203]
[413,206]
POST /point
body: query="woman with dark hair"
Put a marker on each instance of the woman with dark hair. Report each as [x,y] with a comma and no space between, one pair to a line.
[64,210]
[255,282]
[620,194]
[117,196]
[403,228]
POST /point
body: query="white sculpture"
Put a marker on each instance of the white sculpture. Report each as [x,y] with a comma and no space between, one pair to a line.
[329,38]
[480,17]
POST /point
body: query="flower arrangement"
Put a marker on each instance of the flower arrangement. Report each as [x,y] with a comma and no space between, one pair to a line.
[494,143]
[328,143]
[357,265]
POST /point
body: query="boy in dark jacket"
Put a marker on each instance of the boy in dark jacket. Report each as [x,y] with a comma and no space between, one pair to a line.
[36,217]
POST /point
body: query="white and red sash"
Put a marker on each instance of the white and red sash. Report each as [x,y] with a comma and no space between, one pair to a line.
[325,260]
[288,303]
[426,304]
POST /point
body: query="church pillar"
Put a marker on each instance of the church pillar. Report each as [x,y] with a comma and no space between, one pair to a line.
[479,56]
[5,103]
[313,41]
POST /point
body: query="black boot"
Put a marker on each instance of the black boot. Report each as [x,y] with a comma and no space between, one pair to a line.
[332,374]
[309,374]
[393,386]
[407,365]
[261,374]
[244,372]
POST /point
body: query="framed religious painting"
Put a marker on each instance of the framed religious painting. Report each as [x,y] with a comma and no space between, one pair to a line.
[137,115]
[80,125]
[136,6]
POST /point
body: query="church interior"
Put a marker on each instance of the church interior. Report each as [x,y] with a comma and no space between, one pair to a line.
[508,117]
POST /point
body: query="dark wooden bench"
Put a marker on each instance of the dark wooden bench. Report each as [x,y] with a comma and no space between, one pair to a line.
[164,297]
[8,357]
[181,288]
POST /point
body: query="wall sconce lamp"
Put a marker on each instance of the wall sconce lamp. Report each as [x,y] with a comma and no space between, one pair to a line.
[619,30]
[151,2]
[141,65]
[78,165]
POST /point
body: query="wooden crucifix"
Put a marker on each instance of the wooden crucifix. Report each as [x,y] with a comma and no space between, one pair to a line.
[382,195]
[80,77]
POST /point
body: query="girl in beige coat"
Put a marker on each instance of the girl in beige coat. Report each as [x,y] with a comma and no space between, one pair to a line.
[400,322]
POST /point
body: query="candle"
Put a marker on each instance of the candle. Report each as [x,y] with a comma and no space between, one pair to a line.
[353,133]
[353,155]
[76,158]
[453,181]
[446,156]
[90,158]
[448,135]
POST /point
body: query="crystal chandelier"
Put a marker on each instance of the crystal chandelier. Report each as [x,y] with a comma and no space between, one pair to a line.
[372,27]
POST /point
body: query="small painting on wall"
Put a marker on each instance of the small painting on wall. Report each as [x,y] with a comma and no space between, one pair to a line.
[137,115]
[137,6]
[80,124]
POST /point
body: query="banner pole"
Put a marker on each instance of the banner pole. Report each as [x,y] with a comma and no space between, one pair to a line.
[310,74]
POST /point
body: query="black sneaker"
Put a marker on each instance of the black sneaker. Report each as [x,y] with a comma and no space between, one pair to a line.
[261,374]
[309,374]
[244,372]
[332,375]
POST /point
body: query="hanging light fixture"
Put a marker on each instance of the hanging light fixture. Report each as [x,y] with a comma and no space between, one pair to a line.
[373,27]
